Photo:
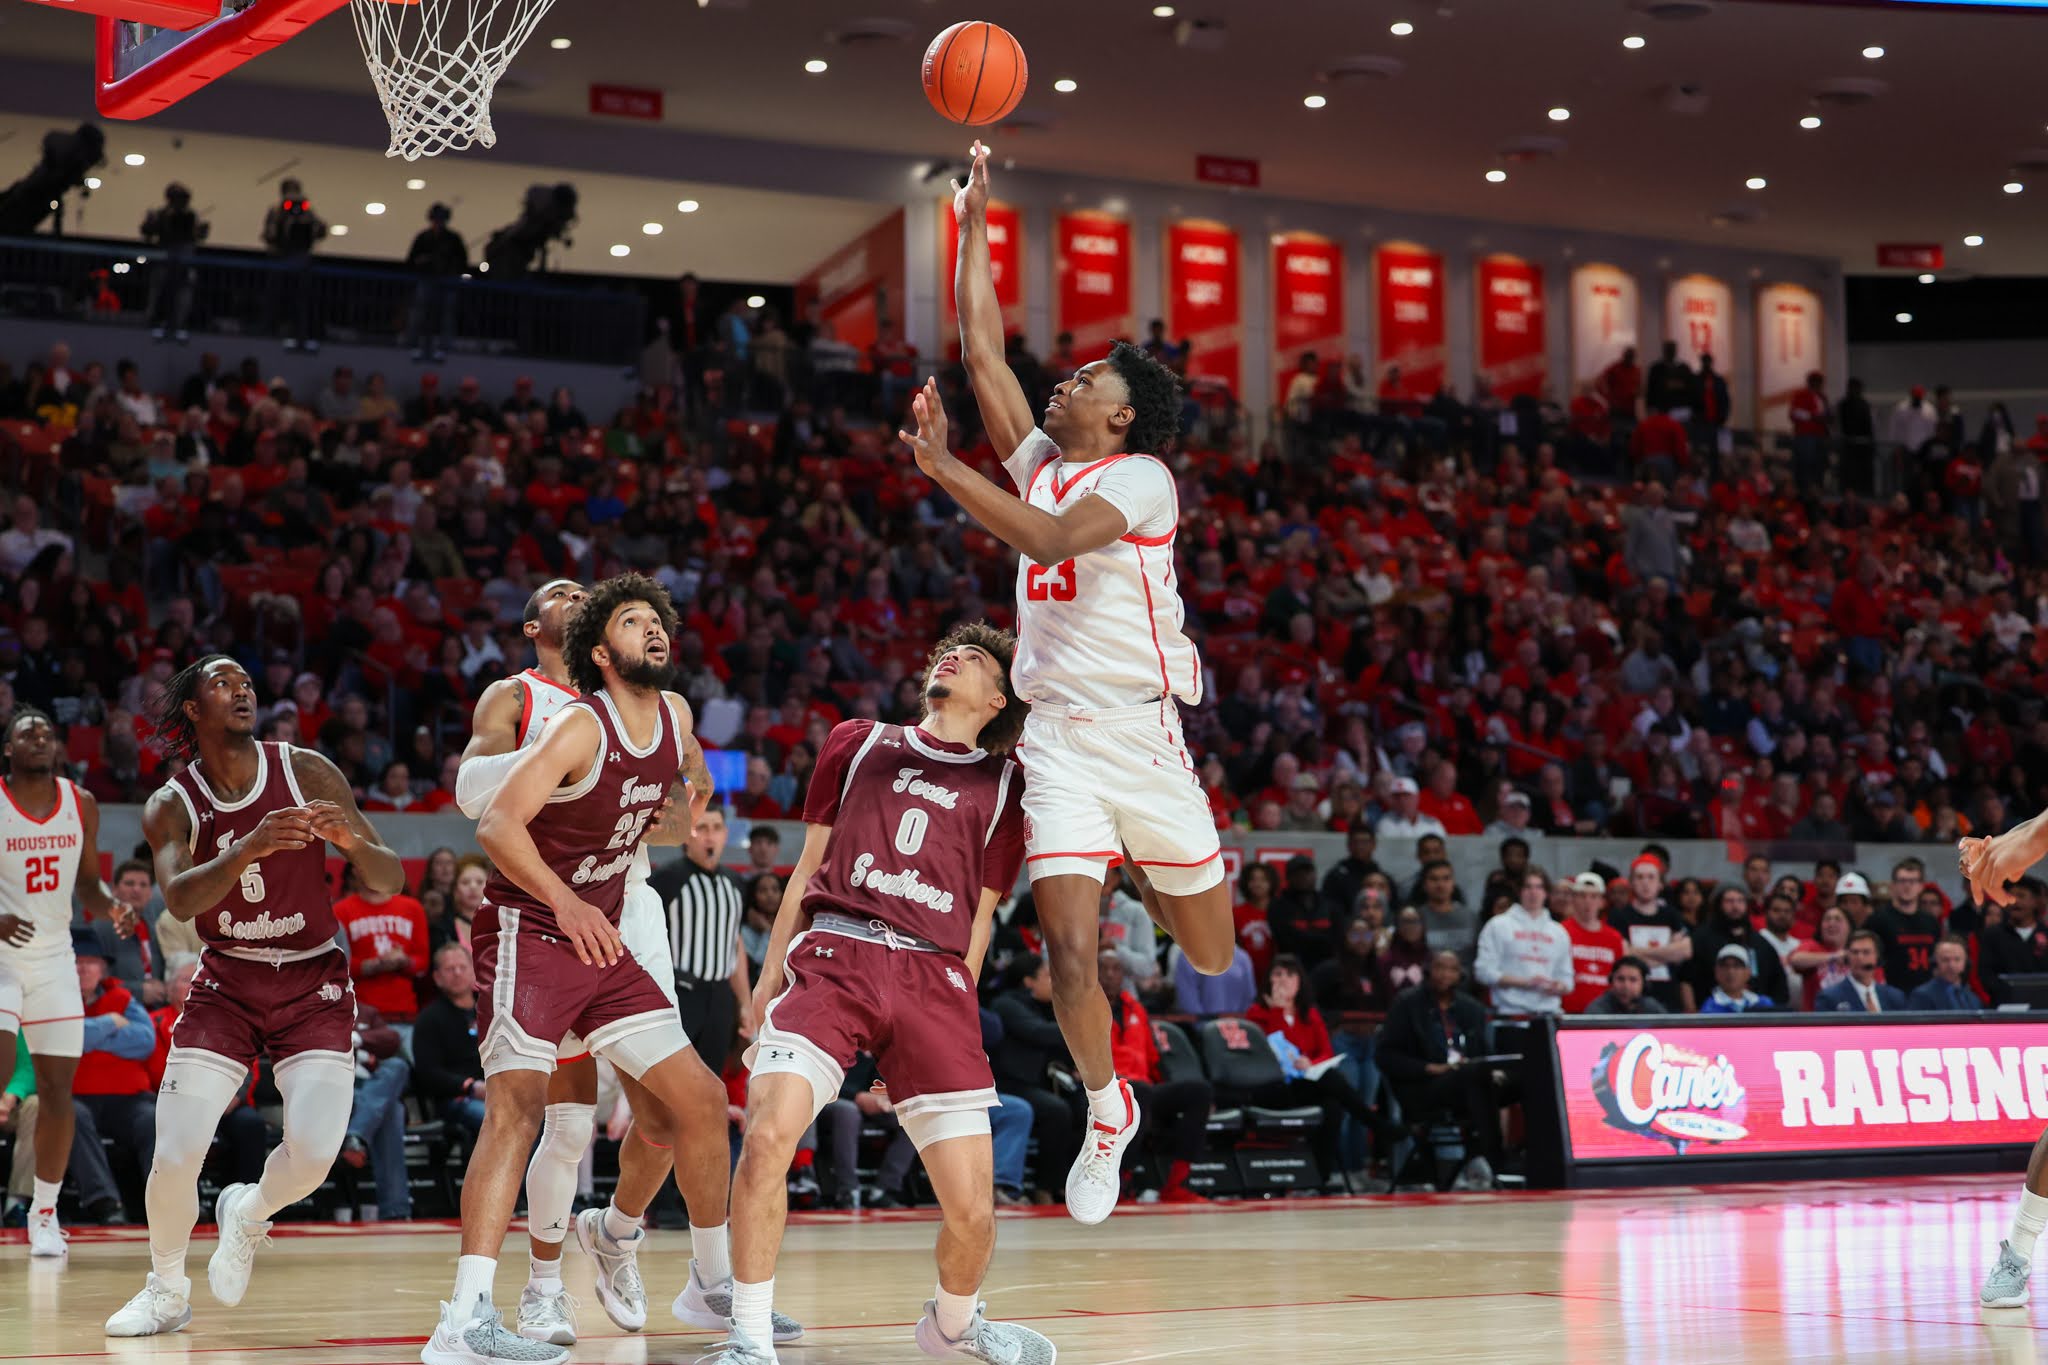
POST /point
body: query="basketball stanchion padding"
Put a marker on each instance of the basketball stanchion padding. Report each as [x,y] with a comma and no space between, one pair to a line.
[435,64]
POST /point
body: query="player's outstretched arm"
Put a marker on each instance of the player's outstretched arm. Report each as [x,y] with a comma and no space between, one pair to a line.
[1005,411]
[91,890]
[1994,863]
[492,749]
[791,918]
[1040,536]
[566,750]
[190,887]
[337,819]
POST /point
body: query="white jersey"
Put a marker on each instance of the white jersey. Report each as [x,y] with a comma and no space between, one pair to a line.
[1103,630]
[39,868]
[542,698]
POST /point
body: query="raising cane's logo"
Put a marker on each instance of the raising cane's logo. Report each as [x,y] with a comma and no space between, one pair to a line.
[1665,1093]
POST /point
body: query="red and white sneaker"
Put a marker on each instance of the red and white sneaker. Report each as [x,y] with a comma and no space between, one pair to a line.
[1097,1176]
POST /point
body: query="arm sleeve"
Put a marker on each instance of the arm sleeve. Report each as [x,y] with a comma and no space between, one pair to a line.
[1035,450]
[478,780]
[828,775]
[1005,855]
[1141,489]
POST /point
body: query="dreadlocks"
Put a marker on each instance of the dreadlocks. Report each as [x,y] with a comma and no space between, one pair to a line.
[173,726]
[585,631]
[1155,399]
[1000,733]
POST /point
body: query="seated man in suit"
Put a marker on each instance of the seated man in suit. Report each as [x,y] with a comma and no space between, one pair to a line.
[1862,992]
[1430,1034]
[1948,988]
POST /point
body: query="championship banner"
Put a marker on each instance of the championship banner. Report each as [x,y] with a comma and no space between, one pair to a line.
[1635,1090]
[861,285]
[1607,307]
[1006,265]
[1308,303]
[1788,341]
[1205,299]
[1513,358]
[1093,260]
[1408,281]
[1698,311]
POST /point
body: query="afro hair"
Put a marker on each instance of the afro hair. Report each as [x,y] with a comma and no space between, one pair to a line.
[1155,398]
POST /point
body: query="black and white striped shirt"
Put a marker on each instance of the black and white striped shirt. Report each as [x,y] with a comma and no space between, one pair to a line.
[703,909]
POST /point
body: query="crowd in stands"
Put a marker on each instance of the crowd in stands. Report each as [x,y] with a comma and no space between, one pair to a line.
[1422,623]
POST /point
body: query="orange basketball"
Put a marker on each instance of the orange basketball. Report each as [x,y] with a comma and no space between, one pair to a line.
[974,72]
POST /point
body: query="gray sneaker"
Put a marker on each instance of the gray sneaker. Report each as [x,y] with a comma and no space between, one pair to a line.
[2006,1285]
[998,1343]
[1477,1175]
[710,1309]
[618,1270]
[483,1340]
[737,1350]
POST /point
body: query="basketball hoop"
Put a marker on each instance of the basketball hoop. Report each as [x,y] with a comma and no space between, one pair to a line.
[436,62]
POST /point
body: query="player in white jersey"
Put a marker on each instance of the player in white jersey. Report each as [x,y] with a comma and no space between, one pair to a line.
[49,843]
[1102,659]
[509,719]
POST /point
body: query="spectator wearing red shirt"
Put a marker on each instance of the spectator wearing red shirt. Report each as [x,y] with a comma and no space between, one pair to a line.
[387,948]
[1256,886]
[1596,945]
[1452,808]
[1177,1112]
[547,492]
[1811,417]
[753,801]
[1620,385]
[1858,614]
[1660,448]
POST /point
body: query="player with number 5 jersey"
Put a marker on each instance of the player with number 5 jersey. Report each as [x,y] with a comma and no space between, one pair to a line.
[1102,659]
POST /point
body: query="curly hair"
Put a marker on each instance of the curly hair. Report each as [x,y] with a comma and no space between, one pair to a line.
[179,735]
[1155,398]
[585,631]
[1000,733]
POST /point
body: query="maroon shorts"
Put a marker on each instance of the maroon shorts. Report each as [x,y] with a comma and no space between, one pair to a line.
[243,1008]
[532,991]
[915,1012]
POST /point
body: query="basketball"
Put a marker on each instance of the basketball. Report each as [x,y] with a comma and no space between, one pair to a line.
[974,72]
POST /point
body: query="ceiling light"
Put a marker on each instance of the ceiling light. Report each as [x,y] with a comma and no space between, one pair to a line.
[1559,114]
[817,66]
[1634,42]
[1496,176]
[1401,29]
[1873,52]
[1755,182]
[92,182]
[1066,85]
[2013,187]
[687,206]
[1974,239]
[373,208]
[1810,122]
[1902,317]
[415,184]
[135,158]
[621,249]
[122,267]
[338,230]
[1162,11]
[559,44]
[756,301]
[1315,101]
[651,229]
[1927,279]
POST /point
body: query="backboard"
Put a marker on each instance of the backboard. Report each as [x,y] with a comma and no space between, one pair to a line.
[143,68]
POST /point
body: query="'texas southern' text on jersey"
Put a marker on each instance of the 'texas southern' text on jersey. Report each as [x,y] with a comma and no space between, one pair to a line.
[282,899]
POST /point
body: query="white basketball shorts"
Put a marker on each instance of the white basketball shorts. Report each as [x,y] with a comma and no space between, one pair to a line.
[39,998]
[643,928]
[1105,784]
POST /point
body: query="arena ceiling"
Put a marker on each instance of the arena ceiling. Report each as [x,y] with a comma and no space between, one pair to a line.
[1664,138]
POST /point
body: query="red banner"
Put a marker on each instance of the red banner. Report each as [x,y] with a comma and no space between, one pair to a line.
[1093,259]
[1634,1091]
[860,285]
[1408,282]
[1513,355]
[1308,303]
[1205,299]
[1006,263]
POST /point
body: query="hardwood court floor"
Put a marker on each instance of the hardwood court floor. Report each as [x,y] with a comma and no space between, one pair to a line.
[1884,1271]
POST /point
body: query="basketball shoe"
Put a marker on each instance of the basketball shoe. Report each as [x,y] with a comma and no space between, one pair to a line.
[547,1317]
[45,1238]
[2006,1285]
[156,1310]
[1096,1178]
[483,1340]
[227,1271]
[999,1343]
[711,1309]
[618,1269]
[738,1350]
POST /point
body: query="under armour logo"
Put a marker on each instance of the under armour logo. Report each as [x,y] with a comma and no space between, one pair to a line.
[892,743]
[615,757]
[777,1054]
[822,952]
[169,1087]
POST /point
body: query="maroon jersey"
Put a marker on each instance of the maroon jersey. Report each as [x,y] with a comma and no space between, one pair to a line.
[282,901]
[587,834]
[919,827]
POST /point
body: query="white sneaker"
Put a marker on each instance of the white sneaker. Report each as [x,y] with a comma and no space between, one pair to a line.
[711,1310]
[1476,1177]
[999,1343]
[45,1238]
[618,1270]
[156,1310]
[1097,1175]
[227,1271]
[483,1340]
[548,1317]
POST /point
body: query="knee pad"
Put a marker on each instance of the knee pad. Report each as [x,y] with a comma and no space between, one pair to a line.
[566,1132]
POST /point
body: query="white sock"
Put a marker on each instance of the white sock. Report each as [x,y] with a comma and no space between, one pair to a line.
[46,1196]
[2027,1222]
[1107,1105]
[954,1312]
[170,1268]
[473,1275]
[544,1276]
[618,1226]
[751,1306]
[711,1248]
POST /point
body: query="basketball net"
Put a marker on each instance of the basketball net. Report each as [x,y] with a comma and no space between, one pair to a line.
[435,64]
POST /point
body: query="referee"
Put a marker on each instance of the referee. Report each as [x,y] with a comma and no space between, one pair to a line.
[703,904]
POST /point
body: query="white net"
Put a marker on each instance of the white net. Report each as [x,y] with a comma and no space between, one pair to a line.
[436,62]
